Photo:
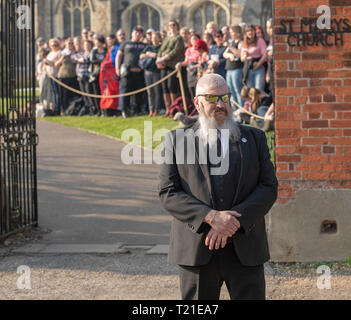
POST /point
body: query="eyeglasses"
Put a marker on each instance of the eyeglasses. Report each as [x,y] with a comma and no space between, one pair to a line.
[215,98]
[172,24]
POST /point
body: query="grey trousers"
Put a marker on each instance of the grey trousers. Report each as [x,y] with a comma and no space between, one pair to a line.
[155,93]
[205,282]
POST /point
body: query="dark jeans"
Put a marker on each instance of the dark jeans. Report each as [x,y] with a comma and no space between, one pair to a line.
[131,82]
[154,93]
[205,282]
[96,90]
[66,95]
[85,86]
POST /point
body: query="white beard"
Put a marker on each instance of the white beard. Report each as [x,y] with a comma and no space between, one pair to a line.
[210,123]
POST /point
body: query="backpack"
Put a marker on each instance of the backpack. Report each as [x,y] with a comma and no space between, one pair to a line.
[74,107]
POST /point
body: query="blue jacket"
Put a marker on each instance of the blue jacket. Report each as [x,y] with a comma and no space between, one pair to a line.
[114,54]
[220,69]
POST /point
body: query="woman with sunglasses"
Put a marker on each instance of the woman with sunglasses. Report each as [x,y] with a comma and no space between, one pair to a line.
[254,54]
[170,53]
[216,61]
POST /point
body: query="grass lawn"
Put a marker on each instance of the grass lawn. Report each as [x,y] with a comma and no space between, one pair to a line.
[17,98]
[114,127]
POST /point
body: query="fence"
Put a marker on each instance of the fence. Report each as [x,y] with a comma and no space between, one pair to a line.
[18,138]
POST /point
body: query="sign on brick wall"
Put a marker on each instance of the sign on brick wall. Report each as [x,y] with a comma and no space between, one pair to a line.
[313,96]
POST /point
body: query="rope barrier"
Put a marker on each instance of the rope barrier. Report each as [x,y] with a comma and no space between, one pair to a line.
[113,96]
[246,111]
[144,89]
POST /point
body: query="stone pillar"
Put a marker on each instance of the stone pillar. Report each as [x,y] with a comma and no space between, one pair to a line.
[311,219]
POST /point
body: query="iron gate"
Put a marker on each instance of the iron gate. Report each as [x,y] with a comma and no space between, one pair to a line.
[18,138]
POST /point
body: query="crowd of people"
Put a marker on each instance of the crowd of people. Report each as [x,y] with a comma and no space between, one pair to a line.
[112,65]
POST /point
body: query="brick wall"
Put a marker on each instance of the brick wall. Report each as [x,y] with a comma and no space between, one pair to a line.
[313,100]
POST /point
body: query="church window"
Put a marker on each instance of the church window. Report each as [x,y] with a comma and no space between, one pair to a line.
[208,11]
[144,15]
[76,16]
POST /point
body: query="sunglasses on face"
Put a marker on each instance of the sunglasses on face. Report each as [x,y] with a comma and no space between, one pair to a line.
[215,98]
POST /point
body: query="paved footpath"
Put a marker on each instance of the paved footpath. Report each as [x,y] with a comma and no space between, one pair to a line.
[88,196]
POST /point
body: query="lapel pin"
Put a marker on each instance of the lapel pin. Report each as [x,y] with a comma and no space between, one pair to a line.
[244,140]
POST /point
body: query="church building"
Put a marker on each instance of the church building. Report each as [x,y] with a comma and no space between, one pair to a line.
[66,18]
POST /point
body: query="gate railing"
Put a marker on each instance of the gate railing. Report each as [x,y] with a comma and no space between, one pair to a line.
[18,138]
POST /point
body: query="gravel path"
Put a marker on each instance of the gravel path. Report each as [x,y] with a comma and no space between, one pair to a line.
[137,276]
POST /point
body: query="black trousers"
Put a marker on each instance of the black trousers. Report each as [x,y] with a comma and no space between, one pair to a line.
[133,81]
[205,282]
[66,95]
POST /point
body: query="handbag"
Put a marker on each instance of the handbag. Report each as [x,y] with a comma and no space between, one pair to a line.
[145,63]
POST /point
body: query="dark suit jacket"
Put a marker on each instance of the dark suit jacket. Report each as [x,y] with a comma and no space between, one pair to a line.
[185,192]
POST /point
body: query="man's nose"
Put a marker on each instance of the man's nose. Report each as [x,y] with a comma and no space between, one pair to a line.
[220,104]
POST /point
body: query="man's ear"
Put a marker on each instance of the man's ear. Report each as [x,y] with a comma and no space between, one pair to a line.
[197,105]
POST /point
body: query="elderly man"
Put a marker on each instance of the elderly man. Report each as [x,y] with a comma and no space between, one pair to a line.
[218,231]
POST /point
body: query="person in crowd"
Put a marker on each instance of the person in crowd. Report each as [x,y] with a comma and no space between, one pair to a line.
[185,34]
[253,54]
[82,59]
[152,73]
[46,97]
[163,34]
[226,35]
[260,33]
[264,108]
[96,57]
[190,62]
[216,62]
[85,34]
[148,36]
[170,53]
[202,66]
[208,39]
[211,28]
[114,45]
[40,43]
[77,42]
[109,81]
[91,36]
[62,41]
[67,74]
[132,76]
[121,36]
[51,67]
[234,65]
[269,74]
[243,26]
[218,202]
